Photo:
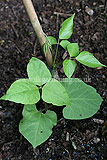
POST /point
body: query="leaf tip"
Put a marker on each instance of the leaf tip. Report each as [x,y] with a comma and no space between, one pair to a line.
[3,97]
[73,15]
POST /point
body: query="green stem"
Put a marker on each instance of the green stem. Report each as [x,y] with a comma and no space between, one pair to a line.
[71,58]
[47,107]
[55,55]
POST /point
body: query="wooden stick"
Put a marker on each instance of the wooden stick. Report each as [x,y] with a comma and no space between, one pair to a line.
[38,29]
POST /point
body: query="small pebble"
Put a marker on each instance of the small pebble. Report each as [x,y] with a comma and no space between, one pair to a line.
[96,154]
[92,143]
[103,76]
[35,156]
[53,153]
[89,11]
[73,144]
[67,136]
[63,152]
[91,156]
[102,144]
[92,148]
[76,40]
[104,93]
[0,107]
[99,67]
[75,153]
[96,140]
[47,150]
[52,139]
[100,121]
[94,3]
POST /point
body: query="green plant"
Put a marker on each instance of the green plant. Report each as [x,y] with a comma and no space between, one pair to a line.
[81,100]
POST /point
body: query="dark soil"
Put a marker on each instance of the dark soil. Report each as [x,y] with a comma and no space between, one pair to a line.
[71,140]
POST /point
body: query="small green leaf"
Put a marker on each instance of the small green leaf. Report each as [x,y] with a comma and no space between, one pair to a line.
[69,67]
[84,101]
[30,33]
[45,48]
[73,49]
[51,40]
[66,28]
[53,92]
[22,91]
[38,71]
[64,44]
[88,59]
[35,126]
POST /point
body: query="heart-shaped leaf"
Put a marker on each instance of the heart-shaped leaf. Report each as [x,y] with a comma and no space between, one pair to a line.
[38,71]
[73,49]
[69,67]
[53,92]
[22,91]
[88,59]
[35,126]
[84,101]
[66,28]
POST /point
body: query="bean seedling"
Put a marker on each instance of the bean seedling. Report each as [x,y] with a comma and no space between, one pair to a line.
[80,100]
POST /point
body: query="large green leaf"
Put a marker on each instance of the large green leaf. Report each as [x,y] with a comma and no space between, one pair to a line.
[53,92]
[22,91]
[69,67]
[35,126]
[38,71]
[73,49]
[64,44]
[66,28]
[84,101]
[88,59]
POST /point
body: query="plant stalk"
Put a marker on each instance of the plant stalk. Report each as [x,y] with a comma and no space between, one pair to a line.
[56,54]
[38,29]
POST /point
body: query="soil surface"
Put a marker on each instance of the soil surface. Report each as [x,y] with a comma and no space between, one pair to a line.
[71,140]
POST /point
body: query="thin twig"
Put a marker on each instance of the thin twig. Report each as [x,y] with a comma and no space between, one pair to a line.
[16,33]
[34,50]
[62,14]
